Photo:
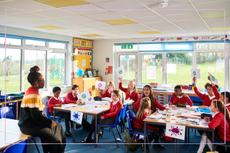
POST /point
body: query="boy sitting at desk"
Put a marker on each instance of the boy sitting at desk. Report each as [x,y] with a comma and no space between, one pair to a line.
[179,98]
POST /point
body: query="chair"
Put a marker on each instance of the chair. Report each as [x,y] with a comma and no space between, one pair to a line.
[20,147]
[6,112]
[122,117]
[97,98]
[130,117]
[51,116]
[117,121]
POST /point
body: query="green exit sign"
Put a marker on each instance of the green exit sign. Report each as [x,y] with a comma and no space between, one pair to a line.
[126,46]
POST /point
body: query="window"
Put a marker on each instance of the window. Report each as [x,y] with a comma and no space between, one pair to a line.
[56,68]
[151,68]
[200,46]
[12,59]
[10,41]
[210,62]
[179,68]
[150,47]
[57,45]
[35,42]
[32,58]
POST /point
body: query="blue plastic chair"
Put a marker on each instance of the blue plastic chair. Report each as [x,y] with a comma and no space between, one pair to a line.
[130,117]
[122,117]
[20,147]
[117,121]
[6,112]
[51,116]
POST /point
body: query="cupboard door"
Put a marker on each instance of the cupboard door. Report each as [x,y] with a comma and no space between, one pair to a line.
[89,84]
[96,91]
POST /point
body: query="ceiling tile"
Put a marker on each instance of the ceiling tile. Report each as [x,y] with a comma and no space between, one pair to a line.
[94,24]
[29,16]
[137,14]
[213,5]
[120,21]
[61,3]
[53,13]
[104,16]
[120,5]
[76,19]
[214,14]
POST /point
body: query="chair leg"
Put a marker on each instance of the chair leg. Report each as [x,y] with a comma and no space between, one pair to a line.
[119,133]
[32,138]
[114,137]
[130,143]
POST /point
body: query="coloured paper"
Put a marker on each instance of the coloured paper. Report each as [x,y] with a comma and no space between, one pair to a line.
[76,116]
[195,73]
[175,131]
[151,72]
[100,84]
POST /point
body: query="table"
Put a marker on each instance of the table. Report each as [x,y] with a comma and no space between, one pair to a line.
[11,134]
[163,122]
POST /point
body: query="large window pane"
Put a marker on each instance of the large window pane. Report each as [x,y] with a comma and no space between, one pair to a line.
[35,43]
[151,61]
[178,68]
[212,62]
[57,45]
[32,58]
[11,41]
[202,46]
[127,62]
[12,61]
[56,67]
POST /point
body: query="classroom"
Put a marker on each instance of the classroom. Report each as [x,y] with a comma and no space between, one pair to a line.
[114,76]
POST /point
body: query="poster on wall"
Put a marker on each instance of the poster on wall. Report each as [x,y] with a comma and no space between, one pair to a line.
[151,72]
[83,63]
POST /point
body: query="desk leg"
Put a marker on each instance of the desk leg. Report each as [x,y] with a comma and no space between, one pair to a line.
[144,137]
[73,132]
[188,134]
[54,114]
[96,134]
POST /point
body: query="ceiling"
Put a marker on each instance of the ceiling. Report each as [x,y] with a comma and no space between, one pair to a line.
[180,18]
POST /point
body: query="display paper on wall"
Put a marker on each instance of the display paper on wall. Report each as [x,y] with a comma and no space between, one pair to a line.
[100,84]
[84,96]
[76,116]
[213,79]
[151,72]
[195,73]
[171,68]
[175,131]
[83,63]
[120,72]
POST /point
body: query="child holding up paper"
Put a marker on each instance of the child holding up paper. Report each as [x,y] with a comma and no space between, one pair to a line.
[107,118]
[71,97]
[55,101]
[220,123]
[130,92]
[207,98]
[107,93]
[179,98]
[138,123]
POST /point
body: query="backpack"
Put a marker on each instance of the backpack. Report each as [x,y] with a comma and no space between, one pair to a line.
[128,138]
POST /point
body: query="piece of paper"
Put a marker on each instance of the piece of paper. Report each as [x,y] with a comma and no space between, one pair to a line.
[97,110]
[213,79]
[195,73]
[171,68]
[128,100]
[120,72]
[76,116]
[175,131]
[89,106]
[83,63]
[106,99]
[84,96]
[68,105]
[151,72]
[100,84]
[101,102]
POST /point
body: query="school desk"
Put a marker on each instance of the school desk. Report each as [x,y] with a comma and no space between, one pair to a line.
[188,126]
[10,133]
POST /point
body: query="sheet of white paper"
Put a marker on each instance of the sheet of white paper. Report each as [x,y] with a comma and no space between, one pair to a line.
[171,68]
[89,106]
[126,101]
[68,105]
[120,72]
[97,110]
[195,73]
[83,63]
[101,102]
[100,84]
[84,96]
[175,131]
[76,116]
[106,99]
[151,72]
[213,79]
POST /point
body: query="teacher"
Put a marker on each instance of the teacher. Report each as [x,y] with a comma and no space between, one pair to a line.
[31,120]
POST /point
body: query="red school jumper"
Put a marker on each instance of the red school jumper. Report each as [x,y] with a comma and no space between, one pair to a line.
[114,110]
[206,99]
[106,94]
[136,106]
[52,103]
[134,96]
[176,100]
[69,98]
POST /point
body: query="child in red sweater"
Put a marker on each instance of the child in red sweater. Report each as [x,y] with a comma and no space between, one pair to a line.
[220,123]
[71,97]
[107,118]
[179,98]
[225,96]
[130,92]
[207,98]
[107,93]
[138,123]
[55,101]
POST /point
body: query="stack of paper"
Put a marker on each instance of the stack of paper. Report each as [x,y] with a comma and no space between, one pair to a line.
[97,110]
[155,117]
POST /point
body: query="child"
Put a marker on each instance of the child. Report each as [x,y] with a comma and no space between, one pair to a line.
[55,101]
[130,92]
[107,93]
[71,97]
[227,103]
[221,125]
[207,98]
[179,98]
[143,112]
[107,118]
